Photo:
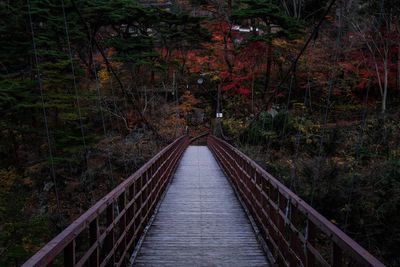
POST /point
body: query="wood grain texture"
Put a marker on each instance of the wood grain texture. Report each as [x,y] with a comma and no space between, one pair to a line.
[200,221]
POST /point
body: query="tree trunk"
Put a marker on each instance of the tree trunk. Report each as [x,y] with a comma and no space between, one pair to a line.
[268,71]
[252,91]
[398,68]
[226,55]
[385,87]
[91,67]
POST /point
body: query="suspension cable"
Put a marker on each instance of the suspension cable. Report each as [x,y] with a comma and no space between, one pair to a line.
[114,103]
[102,115]
[40,83]
[285,121]
[294,63]
[99,100]
[327,108]
[286,114]
[298,136]
[111,69]
[358,147]
[77,98]
[310,38]
[116,110]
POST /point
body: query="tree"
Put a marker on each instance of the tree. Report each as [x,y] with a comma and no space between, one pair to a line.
[272,22]
[379,33]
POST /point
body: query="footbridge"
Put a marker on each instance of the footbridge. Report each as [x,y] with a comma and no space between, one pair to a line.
[195,205]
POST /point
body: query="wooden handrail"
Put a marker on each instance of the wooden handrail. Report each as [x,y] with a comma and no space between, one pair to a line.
[287,223]
[114,224]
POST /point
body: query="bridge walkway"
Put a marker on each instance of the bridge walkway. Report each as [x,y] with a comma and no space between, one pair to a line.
[200,221]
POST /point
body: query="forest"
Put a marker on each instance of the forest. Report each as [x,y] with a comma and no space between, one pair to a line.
[90,90]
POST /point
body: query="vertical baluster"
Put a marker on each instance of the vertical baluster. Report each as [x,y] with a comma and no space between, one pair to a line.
[257,186]
[69,254]
[253,188]
[282,209]
[234,166]
[295,241]
[140,207]
[130,214]
[159,179]
[310,238]
[280,222]
[275,215]
[273,208]
[259,196]
[131,196]
[110,236]
[153,183]
[135,211]
[257,191]
[93,237]
[263,200]
[337,255]
[147,180]
[145,203]
[292,233]
[163,174]
[248,179]
[150,181]
[244,169]
[122,224]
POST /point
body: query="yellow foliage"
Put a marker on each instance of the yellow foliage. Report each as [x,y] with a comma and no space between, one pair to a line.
[279,43]
[7,180]
[188,101]
[395,153]
[172,127]
[215,78]
[233,127]
[338,161]
[176,117]
[103,73]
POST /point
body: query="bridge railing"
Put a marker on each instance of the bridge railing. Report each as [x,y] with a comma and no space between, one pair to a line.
[107,233]
[296,233]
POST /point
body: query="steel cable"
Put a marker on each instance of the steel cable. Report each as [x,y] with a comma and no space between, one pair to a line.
[40,83]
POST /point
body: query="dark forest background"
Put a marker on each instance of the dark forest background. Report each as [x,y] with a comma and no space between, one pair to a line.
[92,89]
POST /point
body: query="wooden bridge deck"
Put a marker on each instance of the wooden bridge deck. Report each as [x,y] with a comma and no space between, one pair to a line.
[200,222]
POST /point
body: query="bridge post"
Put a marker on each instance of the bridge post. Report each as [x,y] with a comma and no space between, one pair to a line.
[122,200]
[110,240]
[130,231]
[69,254]
[145,193]
[336,255]
[93,237]
[294,234]
[310,240]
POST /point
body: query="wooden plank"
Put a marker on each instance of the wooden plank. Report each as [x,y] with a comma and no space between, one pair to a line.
[200,221]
